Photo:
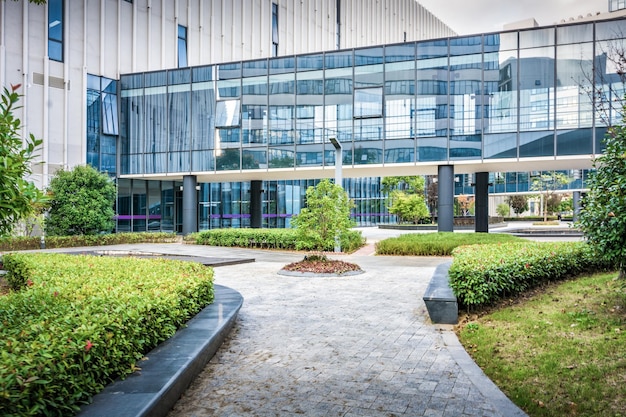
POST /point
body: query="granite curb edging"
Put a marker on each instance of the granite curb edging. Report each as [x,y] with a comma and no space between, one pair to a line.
[166,372]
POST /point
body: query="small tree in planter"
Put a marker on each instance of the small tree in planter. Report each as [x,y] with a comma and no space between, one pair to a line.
[324,220]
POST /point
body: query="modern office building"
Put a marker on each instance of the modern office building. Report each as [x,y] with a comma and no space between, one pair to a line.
[220,113]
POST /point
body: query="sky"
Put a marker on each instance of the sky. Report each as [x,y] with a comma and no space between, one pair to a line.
[480,16]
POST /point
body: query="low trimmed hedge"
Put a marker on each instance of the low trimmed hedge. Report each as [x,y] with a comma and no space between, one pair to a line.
[285,239]
[82,321]
[482,274]
[34,242]
[436,244]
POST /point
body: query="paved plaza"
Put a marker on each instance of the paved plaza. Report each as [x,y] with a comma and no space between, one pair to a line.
[355,346]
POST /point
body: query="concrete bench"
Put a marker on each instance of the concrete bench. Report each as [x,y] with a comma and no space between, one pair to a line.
[440,301]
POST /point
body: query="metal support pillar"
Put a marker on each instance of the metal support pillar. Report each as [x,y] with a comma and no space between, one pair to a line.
[445,207]
[481,215]
[576,201]
[256,204]
[190,205]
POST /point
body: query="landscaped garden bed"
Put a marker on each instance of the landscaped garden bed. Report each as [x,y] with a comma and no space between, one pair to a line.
[73,323]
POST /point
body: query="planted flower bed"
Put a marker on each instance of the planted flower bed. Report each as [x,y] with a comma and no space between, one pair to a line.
[78,322]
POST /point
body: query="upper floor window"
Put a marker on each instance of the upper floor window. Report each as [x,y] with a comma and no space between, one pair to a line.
[55,30]
[182,46]
[274,29]
[615,5]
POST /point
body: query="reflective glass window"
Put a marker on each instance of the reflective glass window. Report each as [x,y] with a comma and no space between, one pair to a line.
[500,86]
[285,65]
[55,30]
[574,69]
[254,68]
[574,33]
[254,158]
[368,152]
[310,62]
[338,60]
[227,113]
[228,159]
[368,67]
[537,93]
[182,46]
[609,80]
[368,102]
[534,38]
[203,115]
[280,157]
[497,146]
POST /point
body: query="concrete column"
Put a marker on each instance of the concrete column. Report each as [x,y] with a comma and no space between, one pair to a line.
[576,201]
[481,207]
[190,205]
[445,206]
[256,204]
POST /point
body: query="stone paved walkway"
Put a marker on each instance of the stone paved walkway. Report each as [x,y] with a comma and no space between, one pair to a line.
[353,346]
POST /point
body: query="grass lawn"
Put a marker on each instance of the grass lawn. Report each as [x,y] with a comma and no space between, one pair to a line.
[560,352]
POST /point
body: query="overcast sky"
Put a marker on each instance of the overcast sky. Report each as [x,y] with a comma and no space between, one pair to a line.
[479,16]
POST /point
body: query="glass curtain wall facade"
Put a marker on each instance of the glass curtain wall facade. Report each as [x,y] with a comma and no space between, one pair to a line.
[506,96]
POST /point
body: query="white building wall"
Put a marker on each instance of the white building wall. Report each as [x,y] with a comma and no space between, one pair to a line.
[112,37]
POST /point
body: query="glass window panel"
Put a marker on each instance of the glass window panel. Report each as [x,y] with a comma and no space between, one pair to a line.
[368,102]
[182,52]
[574,142]
[536,37]
[400,151]
[368,129]
[368,69]
[284,65]
[131,81]
[180,117]
[537,89]
[179,162]
[254,158]
[574,33]
[228,159]
[432,49]
[229,88]
[55,50]
[281,124]
[466,147]
[574,108]
[338,60]
[154,206]
[227,113]
[308,155]
[432,149]
[536,144]
[466,45]
[500,146]
[153,162]
[202,161]
[179,76]
[400,53]
[254,68]
[611,29]
[229,71]
[203,115]
[155,79]
[281,157]
[200,74]
[500,87]
[156,112]
[368,153]
[254,123]
[310,62]
[609,78]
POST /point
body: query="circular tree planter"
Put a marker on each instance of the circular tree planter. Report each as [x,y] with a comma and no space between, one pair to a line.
[320,266]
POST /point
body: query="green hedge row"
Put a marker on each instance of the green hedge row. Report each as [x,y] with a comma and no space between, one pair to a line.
[482,274]
[82,321]
[51,242]
[436,244]
[285,239]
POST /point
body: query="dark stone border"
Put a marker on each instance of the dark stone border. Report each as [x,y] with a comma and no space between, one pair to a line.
[167,371]
[440,301]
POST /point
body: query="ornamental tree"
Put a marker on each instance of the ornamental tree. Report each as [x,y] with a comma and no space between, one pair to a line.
[518,202]
[602,216]
[82,202]
[18,197]
[325,217]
